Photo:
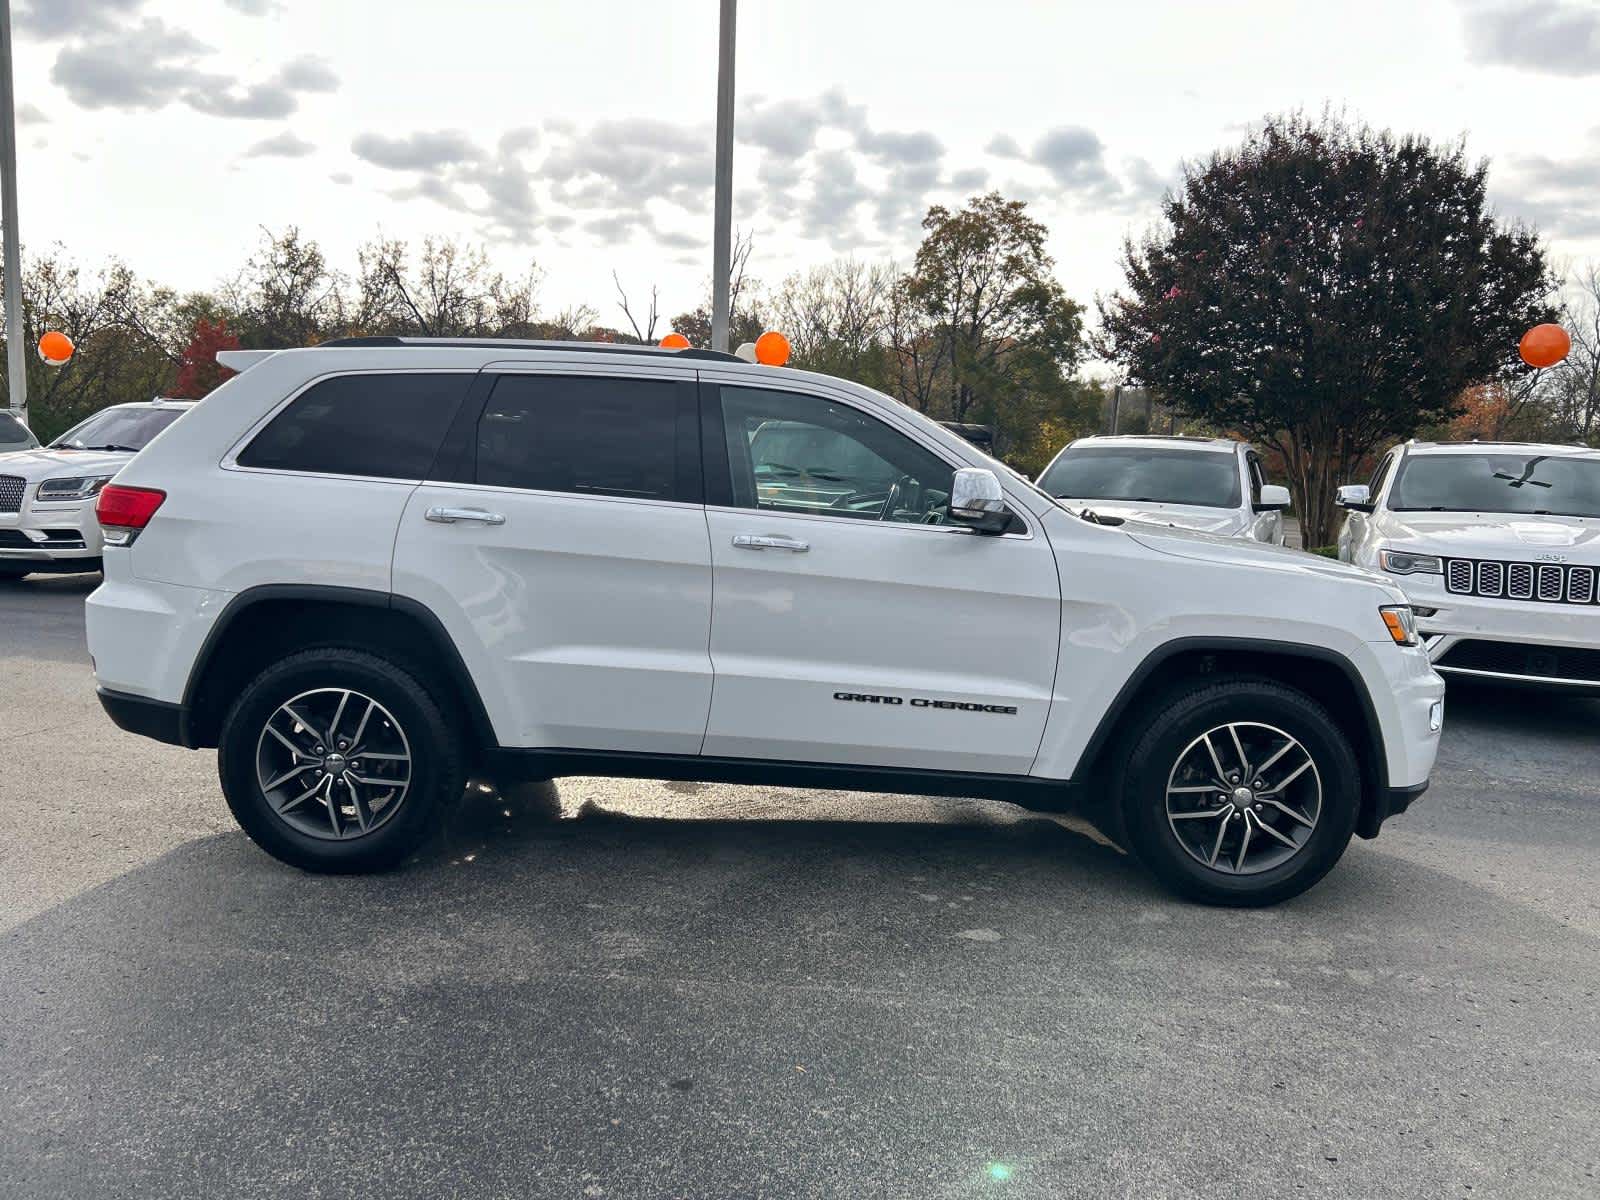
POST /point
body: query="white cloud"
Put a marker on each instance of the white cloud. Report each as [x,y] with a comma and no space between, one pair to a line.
[1551,36]
[282,145]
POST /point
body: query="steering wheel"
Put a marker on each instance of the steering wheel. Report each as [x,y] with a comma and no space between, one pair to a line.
[904,488]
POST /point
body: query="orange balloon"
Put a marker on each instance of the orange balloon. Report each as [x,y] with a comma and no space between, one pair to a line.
[674,341]
[55,348]
[1544,345]
[772,349]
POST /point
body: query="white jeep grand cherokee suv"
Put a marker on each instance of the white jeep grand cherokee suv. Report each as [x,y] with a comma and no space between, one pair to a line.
[1211,484]
[1498,546]
[361,570]
[47,496]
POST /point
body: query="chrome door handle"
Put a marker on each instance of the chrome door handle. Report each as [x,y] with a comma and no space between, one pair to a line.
[449,516]
[763,541]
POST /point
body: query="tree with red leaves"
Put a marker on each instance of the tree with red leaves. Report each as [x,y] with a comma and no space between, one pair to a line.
[198,369]
[1325,289]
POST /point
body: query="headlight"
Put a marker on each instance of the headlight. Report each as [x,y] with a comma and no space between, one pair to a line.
[1398,562]
[80,488]
[1401,622]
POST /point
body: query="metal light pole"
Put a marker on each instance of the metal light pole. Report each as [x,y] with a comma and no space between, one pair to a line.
[722,205]
[16,336]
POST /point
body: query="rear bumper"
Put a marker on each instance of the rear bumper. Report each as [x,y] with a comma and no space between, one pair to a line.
[148,718]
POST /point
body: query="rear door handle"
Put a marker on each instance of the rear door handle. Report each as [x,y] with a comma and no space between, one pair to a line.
[449,516]
[765,541]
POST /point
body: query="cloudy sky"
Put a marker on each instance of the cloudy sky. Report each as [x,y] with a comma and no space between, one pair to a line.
[579,135]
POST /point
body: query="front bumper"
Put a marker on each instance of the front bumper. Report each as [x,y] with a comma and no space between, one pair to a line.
[1528,642]
[51,537]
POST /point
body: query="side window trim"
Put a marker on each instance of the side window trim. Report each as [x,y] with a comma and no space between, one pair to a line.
[1258,477]
[1380,478]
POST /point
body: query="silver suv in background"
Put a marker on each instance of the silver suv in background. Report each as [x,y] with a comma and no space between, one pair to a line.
[1497,545]
[1214,485]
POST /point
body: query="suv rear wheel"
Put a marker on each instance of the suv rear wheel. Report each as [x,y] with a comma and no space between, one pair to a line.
[338,760]
[1243,792]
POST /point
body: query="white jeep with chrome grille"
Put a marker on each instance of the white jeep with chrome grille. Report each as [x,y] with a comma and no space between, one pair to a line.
[1497,545]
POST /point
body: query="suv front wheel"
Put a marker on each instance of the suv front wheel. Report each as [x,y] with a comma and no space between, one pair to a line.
[1243,792]
[337,760]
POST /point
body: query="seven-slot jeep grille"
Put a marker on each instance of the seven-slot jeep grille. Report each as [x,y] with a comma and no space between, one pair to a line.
[1550,583]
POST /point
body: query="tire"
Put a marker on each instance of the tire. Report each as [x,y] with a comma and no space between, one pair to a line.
[1174,833]
[399,720]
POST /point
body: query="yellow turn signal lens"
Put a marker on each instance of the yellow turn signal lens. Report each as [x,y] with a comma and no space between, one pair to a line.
[1402,624]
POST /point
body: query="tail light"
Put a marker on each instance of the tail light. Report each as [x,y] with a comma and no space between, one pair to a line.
[124,511]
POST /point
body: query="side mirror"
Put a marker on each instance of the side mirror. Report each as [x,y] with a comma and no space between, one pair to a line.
[1354,496]
[977,502]
[1274,498]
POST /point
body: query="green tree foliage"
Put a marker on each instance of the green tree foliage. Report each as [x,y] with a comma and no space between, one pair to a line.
[1324,288]
[123,332]
[977,330]
[981,292]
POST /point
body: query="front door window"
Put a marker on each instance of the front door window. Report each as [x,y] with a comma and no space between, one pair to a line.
[803,454]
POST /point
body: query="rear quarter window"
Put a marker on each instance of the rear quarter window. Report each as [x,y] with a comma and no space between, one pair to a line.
[383,426]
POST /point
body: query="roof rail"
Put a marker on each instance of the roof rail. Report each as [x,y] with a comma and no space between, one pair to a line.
[528,344]
[1169,437]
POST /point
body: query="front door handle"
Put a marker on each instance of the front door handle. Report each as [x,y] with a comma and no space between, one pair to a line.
[765,541]
[449,516]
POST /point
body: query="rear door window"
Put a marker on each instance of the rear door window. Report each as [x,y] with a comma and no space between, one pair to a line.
[377,425]
[624,437]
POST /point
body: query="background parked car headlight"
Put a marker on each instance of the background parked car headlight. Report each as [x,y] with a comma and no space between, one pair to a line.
[79,488]
[1400,563]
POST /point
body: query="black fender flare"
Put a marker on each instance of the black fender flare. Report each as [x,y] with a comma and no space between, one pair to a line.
[438,636]
[1373,743]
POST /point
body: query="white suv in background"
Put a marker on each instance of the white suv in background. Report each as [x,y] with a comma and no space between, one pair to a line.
[360,569]
[47,496]
[1497,544]
[1214,485]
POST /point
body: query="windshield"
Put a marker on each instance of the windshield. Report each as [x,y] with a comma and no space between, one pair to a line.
[1535,484]
[14,434]
[1200,477]
[118,429]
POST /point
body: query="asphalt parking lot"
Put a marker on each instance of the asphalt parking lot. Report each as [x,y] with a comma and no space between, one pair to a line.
[691,991]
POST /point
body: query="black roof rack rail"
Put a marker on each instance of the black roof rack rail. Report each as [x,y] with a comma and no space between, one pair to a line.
[528,344]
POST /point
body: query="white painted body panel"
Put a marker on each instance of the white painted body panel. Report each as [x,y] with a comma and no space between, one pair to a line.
[584,620]
[1128,590]
[911,612]
[144,636]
